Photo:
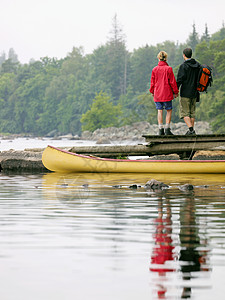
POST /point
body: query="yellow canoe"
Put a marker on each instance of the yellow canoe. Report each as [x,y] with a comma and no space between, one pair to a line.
[58,160]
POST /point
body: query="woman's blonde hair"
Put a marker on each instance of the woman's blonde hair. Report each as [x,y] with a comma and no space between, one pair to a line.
[162,56]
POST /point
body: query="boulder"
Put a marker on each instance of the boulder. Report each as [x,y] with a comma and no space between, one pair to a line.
[209,155]
[165,157]
[52,133]
[186,187]
[20,161]
[155,185]
[103,140]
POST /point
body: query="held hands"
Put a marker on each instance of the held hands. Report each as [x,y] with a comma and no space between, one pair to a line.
[175,95]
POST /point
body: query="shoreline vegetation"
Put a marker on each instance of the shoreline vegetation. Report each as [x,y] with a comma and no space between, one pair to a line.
[106,88]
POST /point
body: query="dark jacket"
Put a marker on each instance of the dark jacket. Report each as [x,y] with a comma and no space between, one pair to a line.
[187,78]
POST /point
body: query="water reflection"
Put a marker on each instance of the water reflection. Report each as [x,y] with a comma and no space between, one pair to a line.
[162,252]
[194,251]
[51,179]
[179,248]
[92,230]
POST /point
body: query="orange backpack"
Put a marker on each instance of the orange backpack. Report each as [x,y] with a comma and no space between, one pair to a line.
[204,78]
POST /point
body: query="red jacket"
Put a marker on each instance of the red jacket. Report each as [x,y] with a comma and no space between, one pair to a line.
[163,83]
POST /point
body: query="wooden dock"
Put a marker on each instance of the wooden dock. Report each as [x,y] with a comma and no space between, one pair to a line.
[184,146]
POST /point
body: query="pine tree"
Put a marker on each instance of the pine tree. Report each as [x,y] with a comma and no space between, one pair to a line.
[116,33]
[205,37]
[219,35]
[2,57]
[117,60]
[13,56]
[193,39]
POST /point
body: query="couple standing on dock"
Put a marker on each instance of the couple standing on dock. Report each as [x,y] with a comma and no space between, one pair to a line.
[165,88]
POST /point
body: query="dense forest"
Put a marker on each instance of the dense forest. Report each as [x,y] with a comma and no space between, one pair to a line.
[109,87]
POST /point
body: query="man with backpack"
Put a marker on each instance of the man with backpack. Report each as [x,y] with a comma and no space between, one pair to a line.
[187,80]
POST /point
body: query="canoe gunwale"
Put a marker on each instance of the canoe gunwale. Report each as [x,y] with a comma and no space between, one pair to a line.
[132,160]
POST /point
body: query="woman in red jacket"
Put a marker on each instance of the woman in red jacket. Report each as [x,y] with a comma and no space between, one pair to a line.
[164,90]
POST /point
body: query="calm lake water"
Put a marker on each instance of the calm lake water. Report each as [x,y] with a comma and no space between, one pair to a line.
[91,236]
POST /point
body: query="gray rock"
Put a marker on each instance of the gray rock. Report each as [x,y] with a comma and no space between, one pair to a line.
[165,157]
[69,136]
[155,185]
[117,186]
[20,161]
[186,187]
[133,186]
[52,133]
[86,135]
[103,140]
[22,165]
[136,131]
[209,155]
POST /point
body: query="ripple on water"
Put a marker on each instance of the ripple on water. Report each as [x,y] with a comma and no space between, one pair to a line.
[79,231]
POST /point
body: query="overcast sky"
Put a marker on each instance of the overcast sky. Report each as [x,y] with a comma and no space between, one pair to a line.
[38,28]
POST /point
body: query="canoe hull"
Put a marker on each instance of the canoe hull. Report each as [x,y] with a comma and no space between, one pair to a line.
[58,160]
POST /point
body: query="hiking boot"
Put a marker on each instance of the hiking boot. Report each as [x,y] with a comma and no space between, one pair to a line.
[161,131]
[168,131]
[190,132]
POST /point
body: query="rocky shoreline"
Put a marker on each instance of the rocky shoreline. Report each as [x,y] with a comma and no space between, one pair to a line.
[21,161]
[29,160]
[134,132]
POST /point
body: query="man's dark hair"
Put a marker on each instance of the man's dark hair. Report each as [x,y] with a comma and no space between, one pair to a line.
[187,52]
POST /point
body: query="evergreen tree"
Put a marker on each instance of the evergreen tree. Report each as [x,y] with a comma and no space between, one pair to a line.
[219,35]
[142,61]
[217,112]
[205,37]
[2,58]
[51,94]
[13,56]
[117,61]
[193,39]
[8,66]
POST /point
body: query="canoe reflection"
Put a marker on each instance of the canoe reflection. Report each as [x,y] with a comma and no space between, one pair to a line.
[75,188]
[51,179]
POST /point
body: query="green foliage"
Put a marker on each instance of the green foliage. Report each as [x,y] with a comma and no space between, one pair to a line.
[217,112]
[206,100]
[143,60]
[147,108]
[51,94]
[211,107]
[205,37]
[219,35]
[193,39]
[102,113]
[9,66]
